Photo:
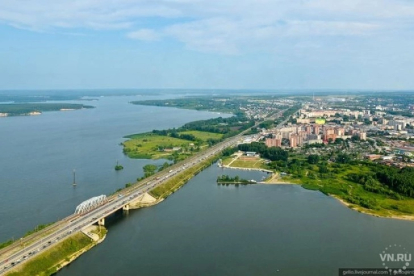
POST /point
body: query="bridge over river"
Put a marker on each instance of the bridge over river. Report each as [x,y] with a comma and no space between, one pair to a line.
[96,209]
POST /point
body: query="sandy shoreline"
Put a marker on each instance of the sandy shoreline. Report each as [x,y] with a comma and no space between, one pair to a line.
[368,212]
[277,183]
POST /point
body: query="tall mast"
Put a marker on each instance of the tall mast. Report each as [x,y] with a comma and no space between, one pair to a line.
[74,177]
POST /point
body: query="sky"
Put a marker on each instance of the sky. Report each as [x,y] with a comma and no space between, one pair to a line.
[207,44]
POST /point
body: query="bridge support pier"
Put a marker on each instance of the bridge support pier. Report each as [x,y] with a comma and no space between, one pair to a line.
[126,207]
[101,222]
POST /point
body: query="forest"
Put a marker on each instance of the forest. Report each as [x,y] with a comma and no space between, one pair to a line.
[226,126]
[26,108]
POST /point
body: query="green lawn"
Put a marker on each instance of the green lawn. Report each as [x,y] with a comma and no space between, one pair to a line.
[257,164]
[202,135]
[227,160]
[147,145]
[150,145]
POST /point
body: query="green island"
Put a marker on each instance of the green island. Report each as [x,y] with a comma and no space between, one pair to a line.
[19,109]
[217,104]
[118,167]
[178,144]
[225,180]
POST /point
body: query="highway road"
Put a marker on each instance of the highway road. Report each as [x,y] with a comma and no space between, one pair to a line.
[73,224]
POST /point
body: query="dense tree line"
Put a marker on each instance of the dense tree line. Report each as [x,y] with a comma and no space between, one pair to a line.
[372,184]
[227,126]
[272,153]
[267,124]
[229,151]
[25,108]
[223,104]
[343,158]
[399,180]
[175,134]
[395,180]
[149,170]
[225,179]
[313,159]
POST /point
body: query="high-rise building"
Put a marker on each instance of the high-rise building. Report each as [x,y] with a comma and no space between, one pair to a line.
[339,131]
[273,142]
[363,135]
[329,131]
[316,129]
[293,141]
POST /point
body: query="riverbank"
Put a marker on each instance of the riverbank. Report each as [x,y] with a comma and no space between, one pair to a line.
[62,253]
[383,213]
[146,200]
[370,212]
[33,109]
[276,180]
[176,182]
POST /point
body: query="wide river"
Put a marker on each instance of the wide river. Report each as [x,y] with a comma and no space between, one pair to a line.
[202,229]
[39,153]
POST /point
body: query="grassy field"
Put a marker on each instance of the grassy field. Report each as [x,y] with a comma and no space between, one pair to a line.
[151,145]
[245,162]
[227,160]
[353,193]
[202,135]
[253,163]
[147,145]
[50,261]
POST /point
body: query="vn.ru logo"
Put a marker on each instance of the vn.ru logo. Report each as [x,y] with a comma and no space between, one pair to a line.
[395,258]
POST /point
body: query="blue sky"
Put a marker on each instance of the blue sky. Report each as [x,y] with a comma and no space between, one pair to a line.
[245,44]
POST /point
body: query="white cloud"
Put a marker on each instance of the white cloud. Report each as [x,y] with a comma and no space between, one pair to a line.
[364,8]
[236,36]
[144,34]
[224,26]
[326,28]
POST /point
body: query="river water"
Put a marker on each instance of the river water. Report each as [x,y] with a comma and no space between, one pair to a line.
[207,229]
[38,154]
[202,229]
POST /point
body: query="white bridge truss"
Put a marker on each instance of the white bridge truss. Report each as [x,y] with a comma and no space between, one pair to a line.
[90,204]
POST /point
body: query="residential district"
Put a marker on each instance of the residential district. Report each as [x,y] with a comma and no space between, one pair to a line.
[373,132]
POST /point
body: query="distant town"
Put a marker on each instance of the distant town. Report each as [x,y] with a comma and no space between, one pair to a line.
[381,132]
